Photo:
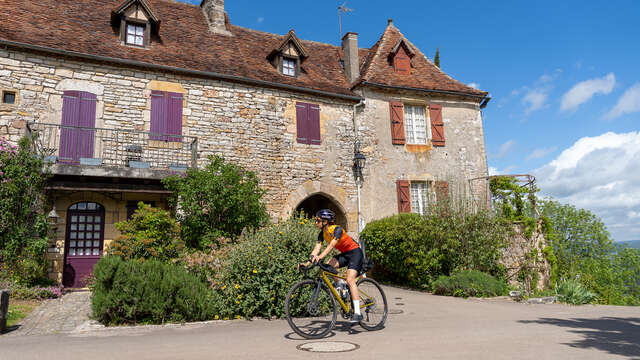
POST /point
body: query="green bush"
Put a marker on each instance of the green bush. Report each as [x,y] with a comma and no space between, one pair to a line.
[414,250]
[148,292]
[151,233]
[469,283]
[23,226]
[220,200]
[261,268]
[572,292]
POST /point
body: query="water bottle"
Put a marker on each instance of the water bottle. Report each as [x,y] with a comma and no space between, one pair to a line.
[342,289]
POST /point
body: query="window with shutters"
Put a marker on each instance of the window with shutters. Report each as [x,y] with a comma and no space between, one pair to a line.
[166,116]
[419,196]
[308,123]
[415,124]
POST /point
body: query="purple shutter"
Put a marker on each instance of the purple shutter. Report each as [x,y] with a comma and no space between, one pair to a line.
[68,131]
[302,115]
[314,124]
[87,123]
[174,121]
[158,115]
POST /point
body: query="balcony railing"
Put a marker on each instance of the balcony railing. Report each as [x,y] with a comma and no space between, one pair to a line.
[119,148]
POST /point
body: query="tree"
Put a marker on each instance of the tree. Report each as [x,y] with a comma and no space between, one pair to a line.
[218,201]
[23,225]
[436,59]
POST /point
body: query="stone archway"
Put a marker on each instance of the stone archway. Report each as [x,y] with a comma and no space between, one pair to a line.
[315,202]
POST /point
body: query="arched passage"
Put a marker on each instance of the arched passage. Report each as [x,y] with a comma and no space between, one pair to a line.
[315,202]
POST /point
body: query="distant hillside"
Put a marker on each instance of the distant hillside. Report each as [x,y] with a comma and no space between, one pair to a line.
[632,243]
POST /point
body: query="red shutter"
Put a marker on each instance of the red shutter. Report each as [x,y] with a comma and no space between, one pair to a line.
[437,126]
[397,122]
[442,191]
[158,115]
[404,196]
[314,124]
[174,117]
[302,115]
[401,62]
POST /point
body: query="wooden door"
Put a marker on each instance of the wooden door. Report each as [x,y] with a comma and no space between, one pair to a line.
[83,242]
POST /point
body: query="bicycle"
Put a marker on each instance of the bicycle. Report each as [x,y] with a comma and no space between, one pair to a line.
[311,308]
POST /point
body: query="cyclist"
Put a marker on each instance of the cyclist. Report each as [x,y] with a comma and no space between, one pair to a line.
[350,255]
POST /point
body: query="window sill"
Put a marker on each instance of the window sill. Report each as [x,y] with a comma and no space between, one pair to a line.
[418,148]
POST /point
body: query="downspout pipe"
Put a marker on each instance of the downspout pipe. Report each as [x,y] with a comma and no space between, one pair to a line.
[356,146]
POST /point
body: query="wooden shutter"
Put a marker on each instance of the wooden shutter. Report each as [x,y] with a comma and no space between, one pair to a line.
[437,125]
[313,118]
[159,100]
[442,191]
[87,122]
[68,132]
[404,196]
[302,114]
[401,62]
[397,122]
[174,117]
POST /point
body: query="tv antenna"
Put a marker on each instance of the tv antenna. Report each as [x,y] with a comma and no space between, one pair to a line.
[342,9]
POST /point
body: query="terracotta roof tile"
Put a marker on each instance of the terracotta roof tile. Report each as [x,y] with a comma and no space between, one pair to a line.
[184,41]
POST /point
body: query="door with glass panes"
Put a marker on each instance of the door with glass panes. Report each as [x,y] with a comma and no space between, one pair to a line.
[83,242]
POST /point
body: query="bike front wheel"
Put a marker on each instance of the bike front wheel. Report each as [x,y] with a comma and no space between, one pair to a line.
[373,304]
[310,309]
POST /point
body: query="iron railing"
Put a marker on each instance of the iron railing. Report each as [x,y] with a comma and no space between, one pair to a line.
[121,148]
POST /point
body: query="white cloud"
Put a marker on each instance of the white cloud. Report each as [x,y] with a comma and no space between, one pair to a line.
[474,85]
[496,171]
[260,20]
[540,153]
[628,103]
[534,99]
[601,174]
[584,91]
[504,148]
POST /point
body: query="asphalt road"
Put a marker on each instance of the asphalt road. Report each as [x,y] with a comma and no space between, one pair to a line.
[428,327]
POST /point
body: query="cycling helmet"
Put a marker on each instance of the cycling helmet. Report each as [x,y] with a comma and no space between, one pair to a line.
[326,214]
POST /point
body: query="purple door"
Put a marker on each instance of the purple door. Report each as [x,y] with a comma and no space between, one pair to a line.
[83,242]
[78,126]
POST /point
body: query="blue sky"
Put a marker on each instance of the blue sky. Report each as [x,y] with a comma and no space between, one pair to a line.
[563,75]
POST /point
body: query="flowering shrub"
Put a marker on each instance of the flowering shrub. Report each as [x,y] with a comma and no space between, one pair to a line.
[261,268]
[150,233]
[23,226]
[34,292]
[207,263]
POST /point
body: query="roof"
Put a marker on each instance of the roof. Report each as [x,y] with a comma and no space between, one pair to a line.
[185,42]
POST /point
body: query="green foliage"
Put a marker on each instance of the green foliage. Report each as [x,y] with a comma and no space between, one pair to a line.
[261,268]
[151,233]
[414,250]
[218,201]
[23,226]
[436,59]
[468,283]
[572,292]
[550,256]
[583,248]
[511,197]
[147,292]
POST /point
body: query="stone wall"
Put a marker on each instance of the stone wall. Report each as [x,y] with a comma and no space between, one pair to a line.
[524,255]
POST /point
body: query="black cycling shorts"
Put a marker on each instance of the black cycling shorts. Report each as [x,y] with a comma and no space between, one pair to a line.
[352,259]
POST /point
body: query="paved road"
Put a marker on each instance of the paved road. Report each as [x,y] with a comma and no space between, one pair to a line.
[430,327]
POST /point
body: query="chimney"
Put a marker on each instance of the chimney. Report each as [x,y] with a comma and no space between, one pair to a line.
[351,61]
[215,14]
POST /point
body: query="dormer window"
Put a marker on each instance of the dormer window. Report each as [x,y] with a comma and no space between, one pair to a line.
[136,22]
[135,34]
[289,55]
[288,66]
[400,57]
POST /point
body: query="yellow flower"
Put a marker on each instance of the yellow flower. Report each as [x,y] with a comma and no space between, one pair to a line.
[217,317]
[237,302]
[270,248]
[224,287]
[272,299]
[238,317]
[237,286]
[226,318]
[255,271]
[280,232]
[240,296]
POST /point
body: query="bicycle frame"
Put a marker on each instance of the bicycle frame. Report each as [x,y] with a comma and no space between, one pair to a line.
[324,275]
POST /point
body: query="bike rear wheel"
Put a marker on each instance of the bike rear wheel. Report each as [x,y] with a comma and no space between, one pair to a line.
[310,309]
[373,304]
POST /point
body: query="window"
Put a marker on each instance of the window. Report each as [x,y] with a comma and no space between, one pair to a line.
[415,124]
[288,66]
[166,116]
[135,34]
[308,123]
[9,97]
[419,196]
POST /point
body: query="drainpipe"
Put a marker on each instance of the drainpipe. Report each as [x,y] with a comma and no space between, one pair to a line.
[356,146]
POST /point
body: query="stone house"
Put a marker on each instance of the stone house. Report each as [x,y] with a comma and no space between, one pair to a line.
[121,93]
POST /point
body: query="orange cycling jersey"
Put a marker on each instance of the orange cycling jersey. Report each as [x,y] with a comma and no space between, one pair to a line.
[345,242]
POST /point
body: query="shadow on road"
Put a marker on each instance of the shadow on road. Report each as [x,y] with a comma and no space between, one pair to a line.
[620,336]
